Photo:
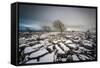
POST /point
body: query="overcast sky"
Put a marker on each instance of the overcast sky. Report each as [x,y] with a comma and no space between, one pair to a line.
[74,18]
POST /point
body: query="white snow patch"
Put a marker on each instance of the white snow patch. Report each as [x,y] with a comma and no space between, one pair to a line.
[42,42]
[38,53]
[46,42]
[69,36]
[21,45]
[59,49]
[51,47]
[43,36]
[36,46]
[87,43]
[72,45]
[64,47]
[54,41]
[83,57]
[48,58]
[22,40]
[75,58]
[32,61]
[63,59]
[68,41]
[82,48]
[28,49]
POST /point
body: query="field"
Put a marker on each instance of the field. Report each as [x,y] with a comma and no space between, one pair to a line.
[69,46]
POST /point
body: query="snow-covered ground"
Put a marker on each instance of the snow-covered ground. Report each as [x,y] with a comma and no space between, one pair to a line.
[53,47]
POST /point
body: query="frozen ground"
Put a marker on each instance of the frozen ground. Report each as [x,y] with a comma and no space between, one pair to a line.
[42,47]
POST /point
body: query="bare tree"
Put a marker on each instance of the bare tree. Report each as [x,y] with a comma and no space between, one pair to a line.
[46,28]
[58,25]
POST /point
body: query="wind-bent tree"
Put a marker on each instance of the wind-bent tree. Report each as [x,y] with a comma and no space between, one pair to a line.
[59,26]
[46,28]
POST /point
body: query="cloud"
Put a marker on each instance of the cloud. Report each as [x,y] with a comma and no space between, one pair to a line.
[35,16]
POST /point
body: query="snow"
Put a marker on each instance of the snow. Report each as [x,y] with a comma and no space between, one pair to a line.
[32,61]
[59,40]
[83,57]
[51,47]
[50,40]
[64,47]
[38,53]
[75,58]
[87,43]
[21,45]
[82,48]
[43,36]
[76,40]
[54,33]
[59,49]
[41,42]
[63,59]
[46,42]
[33,42]
[28,49]
[37,46]
[47,58]
[72,45]
[54,41]
[68,41]
[48,34]
[22,40]
[69,36]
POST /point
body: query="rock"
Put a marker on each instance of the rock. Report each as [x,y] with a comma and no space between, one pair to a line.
[75,58]
[72,45]
[22,40]
[87,43]
[23,45]
[28,49]
[68,41]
